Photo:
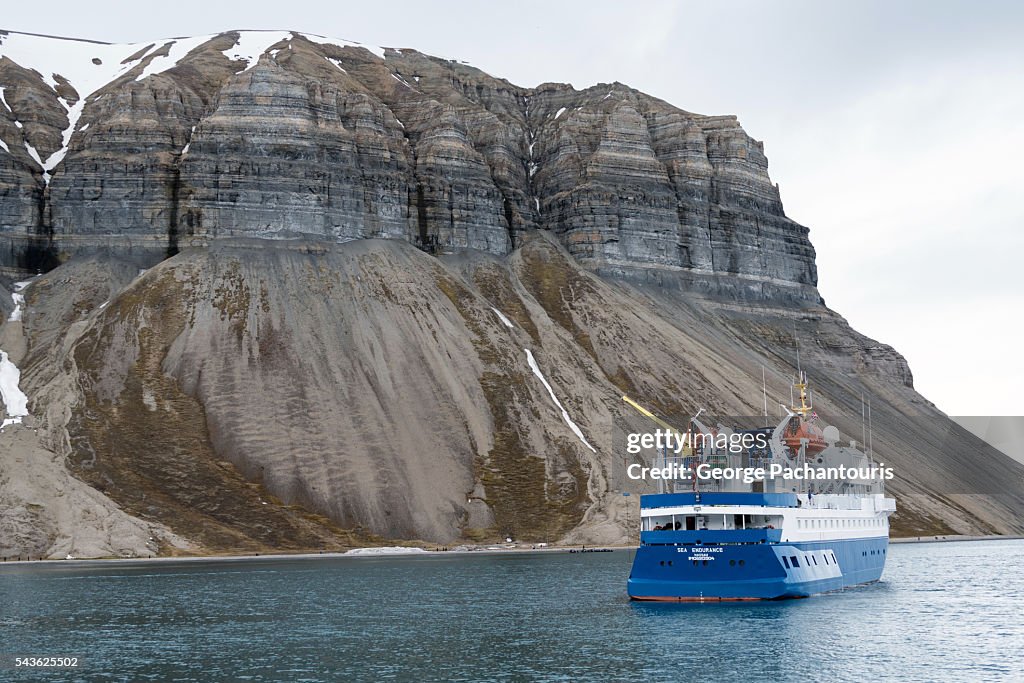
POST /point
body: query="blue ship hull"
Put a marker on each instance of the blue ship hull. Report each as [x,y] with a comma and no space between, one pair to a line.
[754,571]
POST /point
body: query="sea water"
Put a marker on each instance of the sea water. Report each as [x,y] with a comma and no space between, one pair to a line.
[943,611]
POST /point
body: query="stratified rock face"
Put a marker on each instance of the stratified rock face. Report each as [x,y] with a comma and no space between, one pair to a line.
[277,135]
[262,394]
[290,392]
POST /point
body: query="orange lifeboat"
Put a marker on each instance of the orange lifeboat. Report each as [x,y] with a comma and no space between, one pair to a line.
[798,429]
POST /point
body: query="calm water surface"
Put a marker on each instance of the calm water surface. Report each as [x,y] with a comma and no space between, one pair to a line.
[942,612]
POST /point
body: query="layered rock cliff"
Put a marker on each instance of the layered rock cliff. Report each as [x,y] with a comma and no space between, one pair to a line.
[276,135]
[239,346]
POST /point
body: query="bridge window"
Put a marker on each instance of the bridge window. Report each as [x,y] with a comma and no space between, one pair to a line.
[785,562]
[794,560]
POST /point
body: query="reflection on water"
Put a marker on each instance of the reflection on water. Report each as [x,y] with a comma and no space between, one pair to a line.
[941,612]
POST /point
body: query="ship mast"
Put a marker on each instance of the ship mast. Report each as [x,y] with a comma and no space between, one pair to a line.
[805,406]
[800,385]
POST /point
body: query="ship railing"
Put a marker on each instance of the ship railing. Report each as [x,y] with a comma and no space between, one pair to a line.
[710,536]
[692,461]
[835,501]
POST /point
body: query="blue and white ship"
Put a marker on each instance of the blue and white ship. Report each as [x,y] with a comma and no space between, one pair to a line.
[770,539]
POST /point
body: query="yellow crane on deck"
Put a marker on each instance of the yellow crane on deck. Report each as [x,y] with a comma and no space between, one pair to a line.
[687,449]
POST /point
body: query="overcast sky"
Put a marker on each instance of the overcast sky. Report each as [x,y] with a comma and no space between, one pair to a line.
[895,130]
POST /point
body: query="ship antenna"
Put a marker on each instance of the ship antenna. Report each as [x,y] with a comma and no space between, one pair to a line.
[796,341]
[871,451]
[764,392]
[863,425]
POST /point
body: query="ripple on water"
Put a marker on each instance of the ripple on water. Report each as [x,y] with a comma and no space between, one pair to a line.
[941,611]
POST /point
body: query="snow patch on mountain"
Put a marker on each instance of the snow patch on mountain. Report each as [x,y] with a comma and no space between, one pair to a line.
[324,40]
[551,392]
[178,49]
[251,45]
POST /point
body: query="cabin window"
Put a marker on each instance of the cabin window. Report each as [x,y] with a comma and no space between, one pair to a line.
[794,560]
[815,559]
[785,562]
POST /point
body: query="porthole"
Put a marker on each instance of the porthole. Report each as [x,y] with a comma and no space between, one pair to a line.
[670,563]
[732,563]
[742,562]
[704,563]
[663,563]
